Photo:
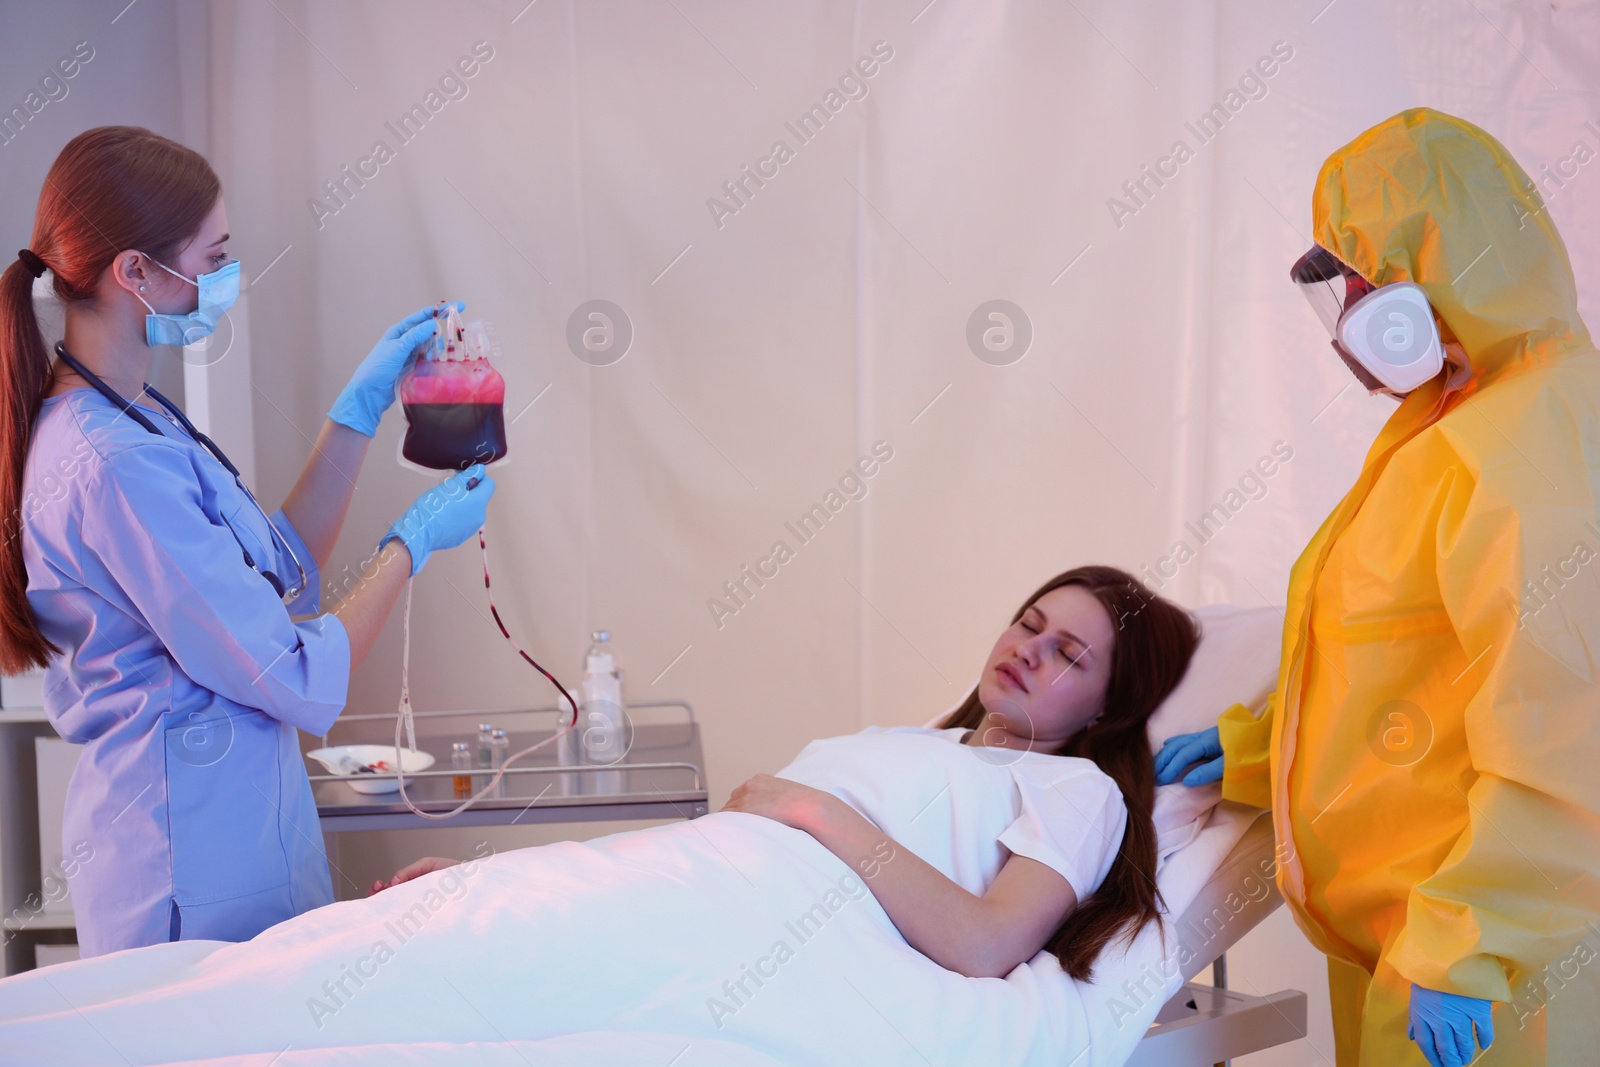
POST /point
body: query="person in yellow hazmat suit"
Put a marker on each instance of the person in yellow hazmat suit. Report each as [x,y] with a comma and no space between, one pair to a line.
[1431,754]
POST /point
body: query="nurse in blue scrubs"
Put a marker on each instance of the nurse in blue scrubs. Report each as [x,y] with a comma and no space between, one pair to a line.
[179,624]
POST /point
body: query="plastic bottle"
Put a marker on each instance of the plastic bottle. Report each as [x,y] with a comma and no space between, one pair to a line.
[461,764]
[454,399]
[500,748]
[603,723]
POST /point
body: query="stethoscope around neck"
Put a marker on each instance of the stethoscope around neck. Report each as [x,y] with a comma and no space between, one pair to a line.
[132,412]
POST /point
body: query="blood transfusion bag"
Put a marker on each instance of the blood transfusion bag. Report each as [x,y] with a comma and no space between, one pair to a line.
[454,399]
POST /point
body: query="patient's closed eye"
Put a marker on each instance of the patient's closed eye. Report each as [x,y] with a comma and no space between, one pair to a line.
[1061,648]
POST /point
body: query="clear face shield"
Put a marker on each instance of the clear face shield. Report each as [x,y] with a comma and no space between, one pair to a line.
[1330,287]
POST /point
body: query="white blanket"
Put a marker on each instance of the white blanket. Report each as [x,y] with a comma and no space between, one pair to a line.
[621,950]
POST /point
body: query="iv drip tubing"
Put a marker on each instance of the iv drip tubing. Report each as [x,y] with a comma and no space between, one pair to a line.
[404,719]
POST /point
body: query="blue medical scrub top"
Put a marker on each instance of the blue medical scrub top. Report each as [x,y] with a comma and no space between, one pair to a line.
[183,676]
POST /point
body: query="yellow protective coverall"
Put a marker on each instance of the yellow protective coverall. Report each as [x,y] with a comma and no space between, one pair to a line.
[1432,753]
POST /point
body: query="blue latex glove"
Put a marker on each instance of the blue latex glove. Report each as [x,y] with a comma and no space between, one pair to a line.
[1441,1025]
[444,516]
[1184,749]
[371,388]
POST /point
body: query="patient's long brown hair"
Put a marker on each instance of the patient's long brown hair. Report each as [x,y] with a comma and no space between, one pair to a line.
[1154,642]
[112,188]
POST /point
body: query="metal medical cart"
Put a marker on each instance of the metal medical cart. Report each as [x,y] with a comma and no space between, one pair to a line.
[661,776]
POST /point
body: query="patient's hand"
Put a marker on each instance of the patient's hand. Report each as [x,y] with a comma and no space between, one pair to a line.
[426,865]
[791,803]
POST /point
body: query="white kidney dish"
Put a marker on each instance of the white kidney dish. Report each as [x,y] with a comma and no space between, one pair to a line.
[344,759]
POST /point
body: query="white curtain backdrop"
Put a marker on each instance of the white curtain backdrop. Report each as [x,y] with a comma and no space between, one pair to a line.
[777,335]
[785,324]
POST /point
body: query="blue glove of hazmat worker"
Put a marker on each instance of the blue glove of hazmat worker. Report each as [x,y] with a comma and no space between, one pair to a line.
[371,390]
[1442,1025]
[1180,751]
[444,516]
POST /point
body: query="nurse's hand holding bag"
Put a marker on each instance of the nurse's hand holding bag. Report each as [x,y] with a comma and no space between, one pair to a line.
[178,623]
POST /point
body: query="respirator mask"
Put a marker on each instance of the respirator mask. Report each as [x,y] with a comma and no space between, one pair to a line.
[1386,335]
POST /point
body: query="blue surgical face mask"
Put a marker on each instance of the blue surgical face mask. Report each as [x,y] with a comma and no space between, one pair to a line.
[218,291]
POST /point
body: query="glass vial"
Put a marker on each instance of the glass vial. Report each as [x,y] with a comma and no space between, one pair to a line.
[461,764]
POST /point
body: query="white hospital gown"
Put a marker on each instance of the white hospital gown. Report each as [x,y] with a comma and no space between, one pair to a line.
[965,808]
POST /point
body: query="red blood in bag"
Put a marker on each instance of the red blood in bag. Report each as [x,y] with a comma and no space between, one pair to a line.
[455,414]
[454,436]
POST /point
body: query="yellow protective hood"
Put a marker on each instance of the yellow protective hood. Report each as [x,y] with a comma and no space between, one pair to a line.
[1429,198]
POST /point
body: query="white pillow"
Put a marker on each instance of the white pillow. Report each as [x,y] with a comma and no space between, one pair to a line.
[1235,663]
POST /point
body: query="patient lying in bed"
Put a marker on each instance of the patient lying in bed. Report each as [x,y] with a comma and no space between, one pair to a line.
[1024,819]
[853,908]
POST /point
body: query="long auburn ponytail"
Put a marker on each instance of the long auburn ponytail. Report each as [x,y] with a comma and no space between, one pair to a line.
[111,189]
[1155,639]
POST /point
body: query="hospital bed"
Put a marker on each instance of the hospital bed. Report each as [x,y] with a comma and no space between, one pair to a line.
[1200,1023]
[1205,1024]
[409,976]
